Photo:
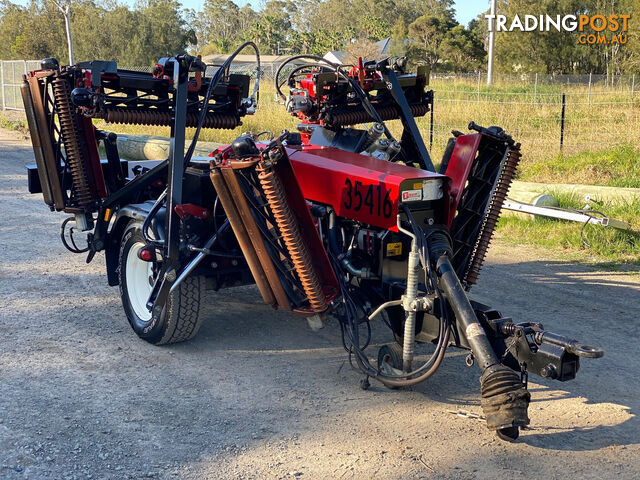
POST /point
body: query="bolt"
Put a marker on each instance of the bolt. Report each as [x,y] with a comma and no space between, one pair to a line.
[171,275]
[549,372]
[234,262]
[214,265]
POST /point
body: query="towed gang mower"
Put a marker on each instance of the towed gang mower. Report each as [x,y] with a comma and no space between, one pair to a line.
[329,220]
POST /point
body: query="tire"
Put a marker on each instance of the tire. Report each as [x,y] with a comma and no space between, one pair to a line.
[391,355]
[181,317]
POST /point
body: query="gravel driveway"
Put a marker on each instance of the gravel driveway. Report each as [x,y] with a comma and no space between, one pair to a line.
[258,395]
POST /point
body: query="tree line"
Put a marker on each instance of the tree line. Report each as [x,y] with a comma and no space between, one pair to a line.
[424,30]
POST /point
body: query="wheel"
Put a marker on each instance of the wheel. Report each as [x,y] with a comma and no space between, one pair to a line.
[390,360]
[390,355]
[509,434]
[181,316]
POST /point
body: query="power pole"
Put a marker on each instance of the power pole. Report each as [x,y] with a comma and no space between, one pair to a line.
[65,8]
[492,39]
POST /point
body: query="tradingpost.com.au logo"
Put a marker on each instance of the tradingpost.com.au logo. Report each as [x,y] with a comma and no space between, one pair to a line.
[602,29]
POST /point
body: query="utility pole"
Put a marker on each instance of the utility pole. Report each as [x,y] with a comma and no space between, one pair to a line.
[65,8]
[492,39]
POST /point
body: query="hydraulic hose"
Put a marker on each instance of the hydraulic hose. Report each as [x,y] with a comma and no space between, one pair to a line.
[441,349]
[215,79]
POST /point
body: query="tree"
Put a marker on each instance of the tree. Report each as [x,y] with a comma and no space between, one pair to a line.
[631,64]
[374,28]
[161,31]
[462,50]
[410,10]
[364,48]
[219,24]
[398,45]
[426,36]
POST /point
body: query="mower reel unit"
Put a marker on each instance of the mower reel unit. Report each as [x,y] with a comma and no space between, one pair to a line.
[334,219]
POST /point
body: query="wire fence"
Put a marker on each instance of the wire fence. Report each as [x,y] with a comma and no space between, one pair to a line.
[11,72]
[547,113]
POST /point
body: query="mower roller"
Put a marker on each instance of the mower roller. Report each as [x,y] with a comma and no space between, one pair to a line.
[334,219]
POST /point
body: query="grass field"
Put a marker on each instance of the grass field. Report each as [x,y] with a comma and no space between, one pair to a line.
[600,144]
[600,148]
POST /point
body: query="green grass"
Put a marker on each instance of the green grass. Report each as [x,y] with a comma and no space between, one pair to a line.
[598,151]
[17,125]
[616,167]
[594,244]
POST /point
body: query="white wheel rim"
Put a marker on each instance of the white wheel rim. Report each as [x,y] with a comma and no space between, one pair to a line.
[138,273]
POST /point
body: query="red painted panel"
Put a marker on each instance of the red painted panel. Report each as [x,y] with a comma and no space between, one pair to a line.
[358,187]
[459,167]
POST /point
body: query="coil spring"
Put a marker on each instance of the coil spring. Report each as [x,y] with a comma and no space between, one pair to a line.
[142,117]
[71,141]
[508,328]
[493,214]
[274,193]
[360,115]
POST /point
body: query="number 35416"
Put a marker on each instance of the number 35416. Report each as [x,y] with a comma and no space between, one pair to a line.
[374,199]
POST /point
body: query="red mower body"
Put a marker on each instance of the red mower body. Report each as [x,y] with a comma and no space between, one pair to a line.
[360,187]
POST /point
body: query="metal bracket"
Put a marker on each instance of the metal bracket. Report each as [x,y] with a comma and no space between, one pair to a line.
[564,214]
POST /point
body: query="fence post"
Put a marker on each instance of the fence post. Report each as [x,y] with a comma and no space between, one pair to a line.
[431,124]
[478,86]
[535,89]
[2,82]
[562,121]
[589,94]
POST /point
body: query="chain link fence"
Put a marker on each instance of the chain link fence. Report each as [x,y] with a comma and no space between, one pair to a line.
[513,89]
[11,72]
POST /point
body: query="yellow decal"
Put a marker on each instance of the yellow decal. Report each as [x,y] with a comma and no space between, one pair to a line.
[394,249]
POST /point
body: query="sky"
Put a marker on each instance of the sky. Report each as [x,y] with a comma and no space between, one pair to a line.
[466,10]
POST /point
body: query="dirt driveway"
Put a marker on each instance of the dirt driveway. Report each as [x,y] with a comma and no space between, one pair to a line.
[259,395]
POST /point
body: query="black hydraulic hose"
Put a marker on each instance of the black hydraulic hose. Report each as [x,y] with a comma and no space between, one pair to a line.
[293,73]
[73,247]
[350,326]
[152,213]
[465,315]
[215,79]
[437,361]
[403,380]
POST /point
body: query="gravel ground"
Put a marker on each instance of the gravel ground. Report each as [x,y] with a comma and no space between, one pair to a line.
[258,395]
